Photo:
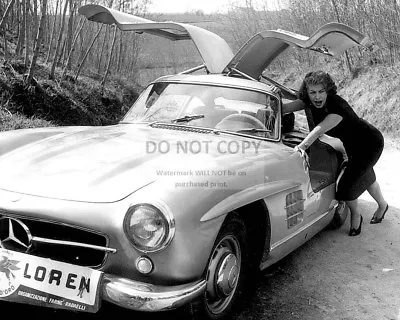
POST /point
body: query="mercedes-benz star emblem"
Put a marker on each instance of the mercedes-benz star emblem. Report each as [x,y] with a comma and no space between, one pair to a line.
[14,235]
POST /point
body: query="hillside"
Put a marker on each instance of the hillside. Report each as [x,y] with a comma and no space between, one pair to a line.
[45,102]
[375,95]
[372,91]
[126,61]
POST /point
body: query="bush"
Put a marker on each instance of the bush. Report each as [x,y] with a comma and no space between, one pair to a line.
[68,102]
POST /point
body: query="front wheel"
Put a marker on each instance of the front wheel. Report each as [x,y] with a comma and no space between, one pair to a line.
[341,212]
[225,272]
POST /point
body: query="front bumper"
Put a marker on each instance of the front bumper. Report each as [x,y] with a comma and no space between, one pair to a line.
[141,296]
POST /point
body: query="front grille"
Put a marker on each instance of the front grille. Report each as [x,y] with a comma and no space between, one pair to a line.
[46,236]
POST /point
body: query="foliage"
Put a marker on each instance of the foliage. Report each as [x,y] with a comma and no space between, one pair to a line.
[127,53]
[109,67]
[378,19]
[46,102]
[9,121]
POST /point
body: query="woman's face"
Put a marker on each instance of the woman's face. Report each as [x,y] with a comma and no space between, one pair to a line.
[317,94]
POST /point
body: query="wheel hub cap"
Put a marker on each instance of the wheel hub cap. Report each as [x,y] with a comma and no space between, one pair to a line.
[227,274]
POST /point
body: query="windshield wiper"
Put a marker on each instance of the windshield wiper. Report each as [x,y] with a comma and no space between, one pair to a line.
[253,130]
[188,118]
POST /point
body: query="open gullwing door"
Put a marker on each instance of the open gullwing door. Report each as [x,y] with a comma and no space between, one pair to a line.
[258,53]
[214,50]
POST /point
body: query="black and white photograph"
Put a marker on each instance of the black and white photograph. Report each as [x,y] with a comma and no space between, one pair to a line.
[200,160]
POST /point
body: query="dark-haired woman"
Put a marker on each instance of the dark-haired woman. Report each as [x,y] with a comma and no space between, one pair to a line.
[362,141]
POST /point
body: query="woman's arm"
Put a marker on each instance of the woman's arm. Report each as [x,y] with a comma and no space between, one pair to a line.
[292,106]
[330,121]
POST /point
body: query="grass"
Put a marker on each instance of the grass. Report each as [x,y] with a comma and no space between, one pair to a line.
[46,102]
[375,96]
[9,121]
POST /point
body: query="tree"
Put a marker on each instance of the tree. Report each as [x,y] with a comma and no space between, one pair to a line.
[60,35]
[21,30]
[87,52]
[38,41]
[52,32]
[72,49]
[26,29]
[6,13]
[110,57]
[335,7]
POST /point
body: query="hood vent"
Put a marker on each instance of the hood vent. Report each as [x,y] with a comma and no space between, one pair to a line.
[181,128]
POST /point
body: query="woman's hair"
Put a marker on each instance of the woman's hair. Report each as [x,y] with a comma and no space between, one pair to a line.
[314,78]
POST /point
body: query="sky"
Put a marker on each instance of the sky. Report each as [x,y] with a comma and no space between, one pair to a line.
[208,6]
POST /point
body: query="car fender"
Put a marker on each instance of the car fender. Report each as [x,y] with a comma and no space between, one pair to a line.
[14,139]
[247,196]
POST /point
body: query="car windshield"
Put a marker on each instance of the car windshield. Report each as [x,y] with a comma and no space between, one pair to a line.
[223,108]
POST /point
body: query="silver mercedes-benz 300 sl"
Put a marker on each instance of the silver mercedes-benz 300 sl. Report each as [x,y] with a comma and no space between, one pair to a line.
[194,189]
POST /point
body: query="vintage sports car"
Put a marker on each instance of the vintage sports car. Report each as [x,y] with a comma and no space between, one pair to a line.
[197,187]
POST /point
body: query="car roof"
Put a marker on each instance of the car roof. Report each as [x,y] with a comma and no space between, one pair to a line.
[218,80]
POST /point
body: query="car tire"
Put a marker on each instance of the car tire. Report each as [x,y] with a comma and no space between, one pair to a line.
[226,271]
[340,215]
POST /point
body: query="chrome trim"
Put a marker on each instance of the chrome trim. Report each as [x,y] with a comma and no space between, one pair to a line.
[183,127]
[245,135]
[167,213]
[11,235]
[282,241]
[295,215]
[294,203]
[141,296]
[14,215]
[74,244]
[243,74]
[140,258]
[220,84]
[279,85]
[286,189]
[194,69]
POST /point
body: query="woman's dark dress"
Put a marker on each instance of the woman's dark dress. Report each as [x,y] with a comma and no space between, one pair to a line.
[363,144]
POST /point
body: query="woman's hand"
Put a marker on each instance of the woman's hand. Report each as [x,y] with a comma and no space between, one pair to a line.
[299,149]
[304,155]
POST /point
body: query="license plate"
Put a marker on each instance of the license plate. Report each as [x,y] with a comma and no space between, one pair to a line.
[39,281]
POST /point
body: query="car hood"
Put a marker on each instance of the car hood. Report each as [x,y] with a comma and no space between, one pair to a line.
[106,164]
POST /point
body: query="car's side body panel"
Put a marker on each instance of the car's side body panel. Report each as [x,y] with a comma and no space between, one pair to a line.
[320,216]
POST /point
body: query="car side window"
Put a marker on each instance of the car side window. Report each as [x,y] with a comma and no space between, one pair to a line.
[258,118]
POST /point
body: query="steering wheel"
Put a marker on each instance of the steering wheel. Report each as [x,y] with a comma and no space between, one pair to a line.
[239,121]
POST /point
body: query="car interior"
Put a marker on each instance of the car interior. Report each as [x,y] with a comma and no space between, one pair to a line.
[325,162]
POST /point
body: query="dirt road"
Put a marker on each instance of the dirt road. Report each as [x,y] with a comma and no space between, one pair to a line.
[333,276]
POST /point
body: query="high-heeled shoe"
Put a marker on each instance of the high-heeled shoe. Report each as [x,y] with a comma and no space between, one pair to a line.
[375,220]
[355,232]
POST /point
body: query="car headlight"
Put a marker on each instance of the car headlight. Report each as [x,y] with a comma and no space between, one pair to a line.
[148,228]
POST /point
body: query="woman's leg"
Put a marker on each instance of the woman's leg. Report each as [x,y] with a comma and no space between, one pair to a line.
[375,191]
[355,214]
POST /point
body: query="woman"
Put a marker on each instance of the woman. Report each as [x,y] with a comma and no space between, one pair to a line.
[363,142]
